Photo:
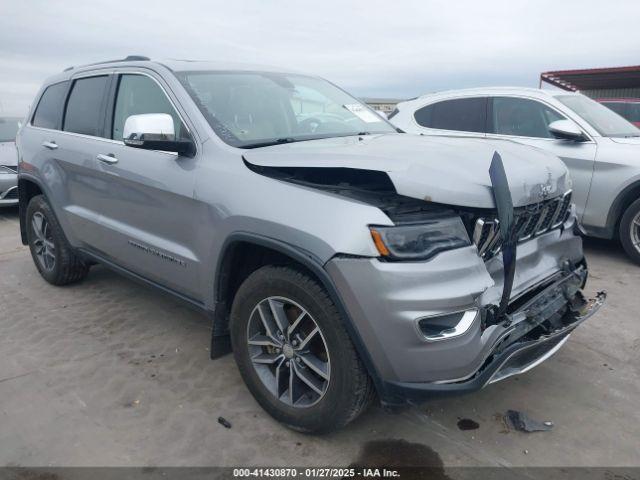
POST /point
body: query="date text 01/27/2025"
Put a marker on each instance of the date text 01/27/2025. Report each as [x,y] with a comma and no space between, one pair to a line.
[311,472]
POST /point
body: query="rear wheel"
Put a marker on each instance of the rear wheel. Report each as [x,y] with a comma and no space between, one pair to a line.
[630,231]
[54,258]
[294,353]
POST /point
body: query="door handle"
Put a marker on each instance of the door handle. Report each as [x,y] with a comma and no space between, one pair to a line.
[50,145]
[108,159]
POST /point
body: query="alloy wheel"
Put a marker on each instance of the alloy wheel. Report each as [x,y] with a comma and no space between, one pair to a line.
[43,245]
[288,352]
[635,231]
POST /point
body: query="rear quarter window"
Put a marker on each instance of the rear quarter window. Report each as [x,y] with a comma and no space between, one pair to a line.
[49,110]
[461,114]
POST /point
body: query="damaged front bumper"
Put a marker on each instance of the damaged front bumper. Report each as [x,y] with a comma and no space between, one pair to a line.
[535,330]
[386,301]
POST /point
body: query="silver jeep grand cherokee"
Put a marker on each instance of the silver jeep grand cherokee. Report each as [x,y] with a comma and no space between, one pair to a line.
[339,259]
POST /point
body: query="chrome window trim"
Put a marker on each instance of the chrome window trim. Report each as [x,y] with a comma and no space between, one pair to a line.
[91,137]
[112,71]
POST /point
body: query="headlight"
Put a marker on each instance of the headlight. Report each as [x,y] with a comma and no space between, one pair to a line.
[420,241]
[4,169]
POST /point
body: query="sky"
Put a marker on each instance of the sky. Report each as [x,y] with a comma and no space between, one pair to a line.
[371,48]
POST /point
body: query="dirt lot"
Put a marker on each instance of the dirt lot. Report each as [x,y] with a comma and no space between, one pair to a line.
[108,372]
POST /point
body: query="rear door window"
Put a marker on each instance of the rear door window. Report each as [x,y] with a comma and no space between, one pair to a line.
[49,110]
[522,117]
[462,114]
[85,107]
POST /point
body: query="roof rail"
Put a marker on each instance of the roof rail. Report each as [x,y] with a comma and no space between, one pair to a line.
[129,58]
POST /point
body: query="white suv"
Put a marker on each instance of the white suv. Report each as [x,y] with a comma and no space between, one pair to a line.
[600,148]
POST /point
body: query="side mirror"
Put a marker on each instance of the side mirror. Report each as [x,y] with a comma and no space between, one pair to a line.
[155,131]
[566,130]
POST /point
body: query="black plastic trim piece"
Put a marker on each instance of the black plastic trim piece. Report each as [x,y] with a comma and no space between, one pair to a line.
[91,255]
[504,206]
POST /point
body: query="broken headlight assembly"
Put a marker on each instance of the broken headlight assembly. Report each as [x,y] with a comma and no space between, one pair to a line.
[420,241]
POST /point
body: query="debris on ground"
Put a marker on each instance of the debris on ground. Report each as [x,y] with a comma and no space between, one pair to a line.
[467,424]
[523,423]
[502,419]
[224,422]
[132,404]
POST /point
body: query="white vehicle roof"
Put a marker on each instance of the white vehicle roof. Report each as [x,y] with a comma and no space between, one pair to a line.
[528,91]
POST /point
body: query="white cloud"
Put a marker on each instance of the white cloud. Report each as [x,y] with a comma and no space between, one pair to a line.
[375,48]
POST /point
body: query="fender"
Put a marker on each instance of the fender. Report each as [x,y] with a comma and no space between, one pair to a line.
[220,343]
[23,201]
[626,196]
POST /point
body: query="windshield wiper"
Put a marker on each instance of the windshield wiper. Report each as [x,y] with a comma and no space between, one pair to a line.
[269,143]
[280,141]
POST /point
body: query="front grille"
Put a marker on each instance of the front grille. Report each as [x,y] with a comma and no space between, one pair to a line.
[530,222]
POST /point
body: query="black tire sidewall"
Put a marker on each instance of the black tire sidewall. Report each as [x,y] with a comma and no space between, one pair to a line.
[625,231]
[328,413]
[39,204]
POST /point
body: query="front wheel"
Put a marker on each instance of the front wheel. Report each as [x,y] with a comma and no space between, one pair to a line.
[294,353]
[630,231]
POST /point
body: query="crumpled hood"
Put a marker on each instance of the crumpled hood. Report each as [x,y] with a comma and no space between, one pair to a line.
[448,170]
[8,154]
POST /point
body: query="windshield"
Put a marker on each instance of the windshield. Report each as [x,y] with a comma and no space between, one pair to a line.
[606,122]
[254,109]
[8,129]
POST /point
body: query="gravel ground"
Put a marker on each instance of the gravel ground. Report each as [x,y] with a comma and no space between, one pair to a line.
[109,372]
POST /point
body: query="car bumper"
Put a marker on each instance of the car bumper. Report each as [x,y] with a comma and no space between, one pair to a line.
[387,300]
[8,189]
[508,359]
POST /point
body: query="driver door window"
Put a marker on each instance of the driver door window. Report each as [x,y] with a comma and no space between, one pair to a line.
[521,117]
[138,94]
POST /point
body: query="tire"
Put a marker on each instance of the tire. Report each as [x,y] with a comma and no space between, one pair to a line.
[630,231]
[346,392]
[54,258]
